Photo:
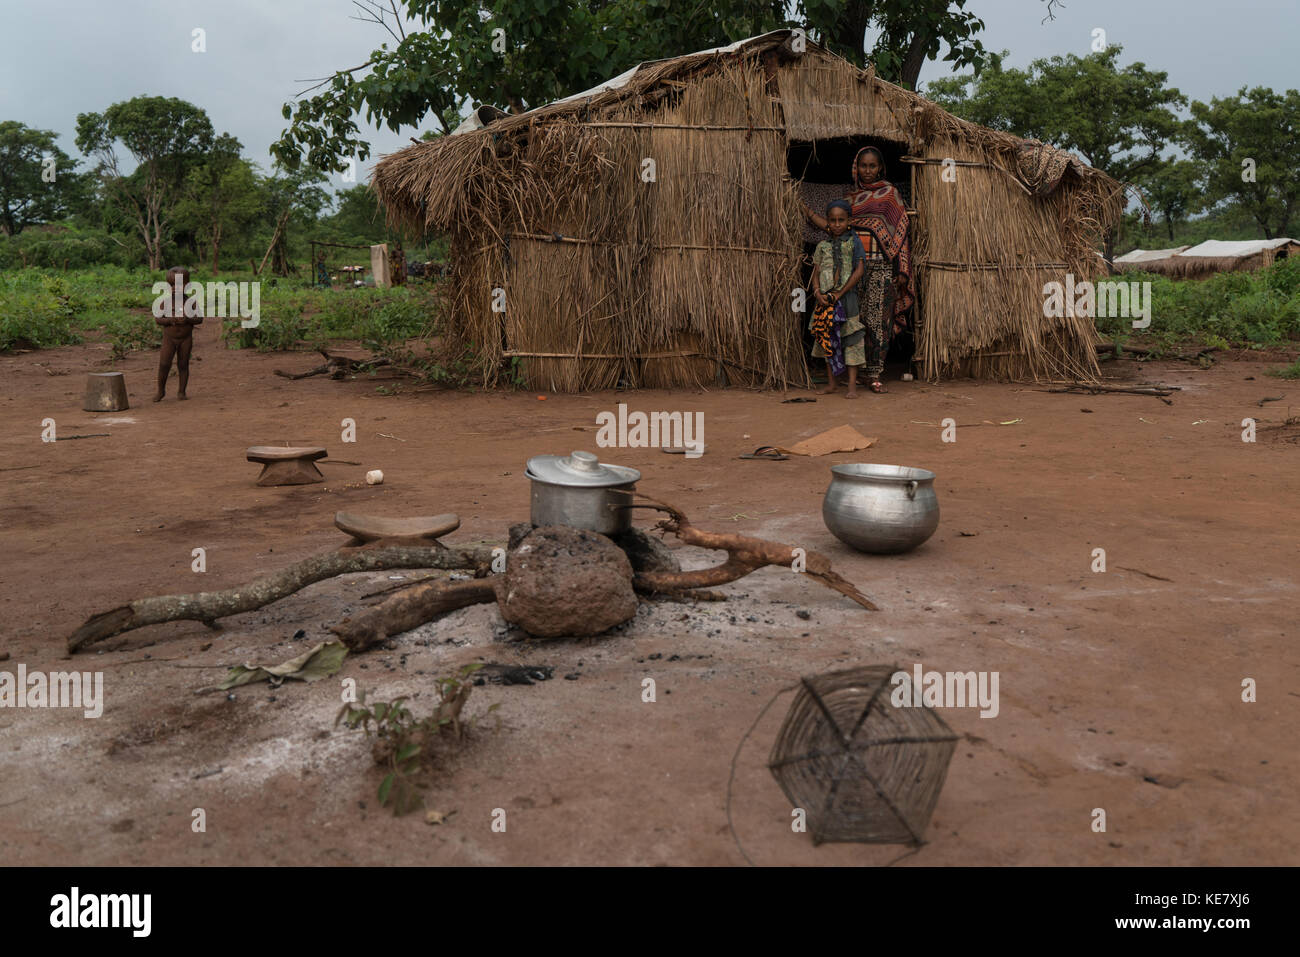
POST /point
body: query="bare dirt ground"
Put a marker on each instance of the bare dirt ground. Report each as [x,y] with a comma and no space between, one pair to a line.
[1119,690]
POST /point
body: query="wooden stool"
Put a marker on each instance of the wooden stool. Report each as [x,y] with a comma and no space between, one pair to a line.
[287,466]
[105,392]
[420,530]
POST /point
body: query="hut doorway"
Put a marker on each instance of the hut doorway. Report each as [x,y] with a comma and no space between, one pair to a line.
[822,168]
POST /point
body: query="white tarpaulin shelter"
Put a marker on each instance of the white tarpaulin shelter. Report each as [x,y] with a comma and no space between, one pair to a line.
[1210,257]
[1236,249]
[1149,255]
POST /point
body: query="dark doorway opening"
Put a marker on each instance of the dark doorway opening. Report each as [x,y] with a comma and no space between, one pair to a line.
[823,170]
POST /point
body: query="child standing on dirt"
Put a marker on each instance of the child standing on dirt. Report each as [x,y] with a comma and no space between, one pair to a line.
[178,333]
[838,332]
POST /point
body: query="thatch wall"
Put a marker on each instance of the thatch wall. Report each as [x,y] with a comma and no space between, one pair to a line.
[687,279]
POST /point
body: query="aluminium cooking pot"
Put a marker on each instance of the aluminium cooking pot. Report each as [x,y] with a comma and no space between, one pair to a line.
[581,491]
[881,509]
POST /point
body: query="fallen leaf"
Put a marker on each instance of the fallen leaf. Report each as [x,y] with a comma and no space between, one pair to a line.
[318,662]
[436,817]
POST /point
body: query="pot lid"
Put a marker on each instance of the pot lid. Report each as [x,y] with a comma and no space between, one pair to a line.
[579,469]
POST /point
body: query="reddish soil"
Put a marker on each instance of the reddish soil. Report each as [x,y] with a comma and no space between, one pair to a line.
[1120,690]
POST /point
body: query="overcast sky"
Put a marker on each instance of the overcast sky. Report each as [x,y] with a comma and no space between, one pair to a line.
[64,57]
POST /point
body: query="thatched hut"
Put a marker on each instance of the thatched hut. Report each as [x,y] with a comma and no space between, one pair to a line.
[1214,256]
[648,231]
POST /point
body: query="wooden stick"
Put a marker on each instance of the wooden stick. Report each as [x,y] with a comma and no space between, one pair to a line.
[1097,389]
[687,126]
[209,606]
[557,238]
[410,608]
[744,555]
[966,267]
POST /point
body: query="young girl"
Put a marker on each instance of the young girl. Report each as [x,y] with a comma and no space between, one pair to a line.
[886,292]
[838,263]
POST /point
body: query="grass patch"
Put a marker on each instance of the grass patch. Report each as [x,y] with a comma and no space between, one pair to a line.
[1229,310]
[1287,372]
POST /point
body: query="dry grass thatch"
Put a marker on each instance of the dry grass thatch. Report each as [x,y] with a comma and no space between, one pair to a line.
[686,278]
[1202,267]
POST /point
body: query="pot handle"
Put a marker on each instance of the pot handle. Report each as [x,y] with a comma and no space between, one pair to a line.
[911,489]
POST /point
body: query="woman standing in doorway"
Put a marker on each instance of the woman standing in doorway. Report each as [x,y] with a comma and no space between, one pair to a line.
[885,292]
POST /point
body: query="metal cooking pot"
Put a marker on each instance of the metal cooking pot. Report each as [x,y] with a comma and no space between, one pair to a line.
[881,508]
[579,490]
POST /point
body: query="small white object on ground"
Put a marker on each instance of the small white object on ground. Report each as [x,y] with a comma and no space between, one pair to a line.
[907,377]
[374,477]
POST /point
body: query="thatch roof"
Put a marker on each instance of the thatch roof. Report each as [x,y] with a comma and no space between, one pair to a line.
[1214,256]
[429,185]
[612,282]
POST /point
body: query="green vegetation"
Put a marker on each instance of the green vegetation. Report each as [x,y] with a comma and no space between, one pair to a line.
[408,746]
[1231,309]
[37,312]
[446,55]
[43,308]
[1288,372]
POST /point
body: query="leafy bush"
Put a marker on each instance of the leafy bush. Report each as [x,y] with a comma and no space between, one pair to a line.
[37,315]
[1233,308]
[55,247]
[130,331]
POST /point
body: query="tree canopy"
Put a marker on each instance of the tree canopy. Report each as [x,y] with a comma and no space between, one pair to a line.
[522,53]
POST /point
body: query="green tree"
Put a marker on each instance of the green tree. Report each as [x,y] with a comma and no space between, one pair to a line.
[522,53]
[1119,120]
[290,196]
[1173,190]
[1248,144]
[220,197]
[166,137]
[39,183]
[518,53]
[910,32]
[358,215]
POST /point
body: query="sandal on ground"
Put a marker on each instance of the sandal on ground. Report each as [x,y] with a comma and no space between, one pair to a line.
[766,452]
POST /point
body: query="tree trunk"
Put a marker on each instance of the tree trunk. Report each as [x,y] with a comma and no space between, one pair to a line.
[914,60]
[848,36]
[275,238]
[410,608]
[209,606]
[216,247]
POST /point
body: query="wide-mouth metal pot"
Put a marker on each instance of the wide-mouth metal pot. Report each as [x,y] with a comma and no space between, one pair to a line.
[881,509]
[581,491]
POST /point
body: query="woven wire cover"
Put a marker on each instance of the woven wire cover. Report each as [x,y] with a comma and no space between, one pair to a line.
[861,768]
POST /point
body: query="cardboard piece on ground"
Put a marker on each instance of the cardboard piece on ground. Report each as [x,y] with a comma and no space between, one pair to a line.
[843,438]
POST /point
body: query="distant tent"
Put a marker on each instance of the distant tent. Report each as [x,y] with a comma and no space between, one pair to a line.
[1210,257]
[1140,259]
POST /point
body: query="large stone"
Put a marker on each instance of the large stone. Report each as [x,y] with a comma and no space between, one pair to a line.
[562,581]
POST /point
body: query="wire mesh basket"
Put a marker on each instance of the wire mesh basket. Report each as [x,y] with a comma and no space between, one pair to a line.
[861,768]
